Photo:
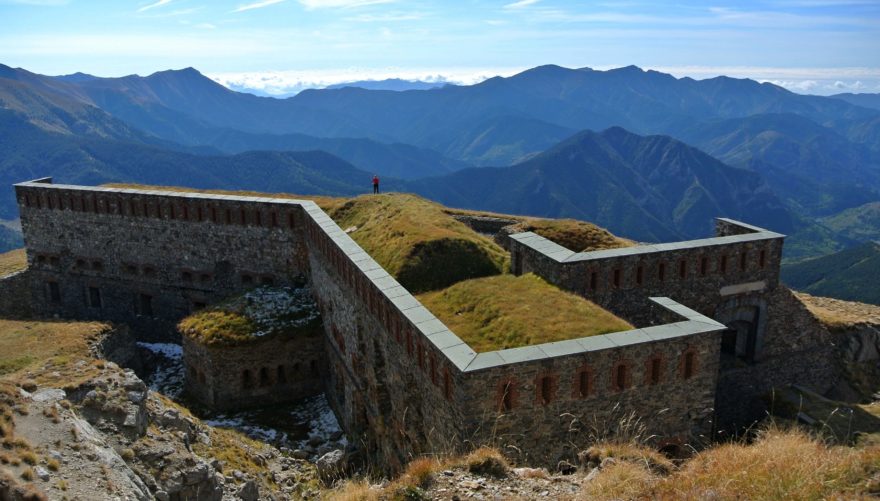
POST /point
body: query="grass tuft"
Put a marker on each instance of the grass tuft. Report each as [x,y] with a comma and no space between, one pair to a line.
[487,461]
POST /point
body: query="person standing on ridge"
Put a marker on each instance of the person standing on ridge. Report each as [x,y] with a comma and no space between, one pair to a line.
[375,183]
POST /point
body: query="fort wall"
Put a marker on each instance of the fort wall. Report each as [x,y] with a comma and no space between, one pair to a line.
[742,259]
[400,382]
[15,294]
[149,258]
[277,369]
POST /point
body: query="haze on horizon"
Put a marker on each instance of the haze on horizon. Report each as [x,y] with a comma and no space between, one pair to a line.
[282,46]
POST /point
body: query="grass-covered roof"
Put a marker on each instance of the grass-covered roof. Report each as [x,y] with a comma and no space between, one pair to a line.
[256,314]
[507,311]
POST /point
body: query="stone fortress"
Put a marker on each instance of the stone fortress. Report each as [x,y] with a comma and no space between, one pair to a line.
[714,329]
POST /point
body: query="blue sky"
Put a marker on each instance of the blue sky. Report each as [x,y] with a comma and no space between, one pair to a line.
[819,46]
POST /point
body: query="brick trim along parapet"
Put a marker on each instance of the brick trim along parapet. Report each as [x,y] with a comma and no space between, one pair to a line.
[741,259]
[371,279]
[458,373]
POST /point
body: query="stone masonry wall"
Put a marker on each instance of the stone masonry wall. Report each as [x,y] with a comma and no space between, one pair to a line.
[697,273]
[281,368]
[796,349]
[400,381]
[150,258]
[15,295]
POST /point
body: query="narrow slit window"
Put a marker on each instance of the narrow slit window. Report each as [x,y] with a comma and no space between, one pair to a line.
[583,383]
[762,258]
[594,278]
[688,365]
[616,278]
[682,269]
[655,371]
[546,390]
[620,377]
[54,292]
[661,272]
[723,264]
[507,397]
[94,297]
[639,275]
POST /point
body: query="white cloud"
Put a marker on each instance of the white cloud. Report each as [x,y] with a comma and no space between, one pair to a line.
[285,83]
[337,4]
[256,5]
[519,4]
[154,5]
[205,26]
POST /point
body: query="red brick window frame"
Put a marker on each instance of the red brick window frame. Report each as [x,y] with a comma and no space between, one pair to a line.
[507,395]
[704,266]
[661,272]
[617,277]
[582,386]
[682,269]
[621,375]
[742,260]
[687,365]
[762,258]
[545,388]
[433,360]
[722,265]
[654,372]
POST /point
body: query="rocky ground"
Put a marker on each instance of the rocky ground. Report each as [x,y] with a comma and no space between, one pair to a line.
[112,438]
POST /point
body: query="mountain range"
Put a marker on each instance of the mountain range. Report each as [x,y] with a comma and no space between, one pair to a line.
[650,156]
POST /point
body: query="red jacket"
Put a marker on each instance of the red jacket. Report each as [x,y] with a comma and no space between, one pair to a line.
[375,179]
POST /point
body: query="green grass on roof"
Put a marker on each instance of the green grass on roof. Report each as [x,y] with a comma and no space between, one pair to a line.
[417,242]
[579,236]
[254,315]
[506,311]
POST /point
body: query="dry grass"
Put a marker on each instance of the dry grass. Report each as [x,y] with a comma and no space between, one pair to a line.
[213,327]
[837,314]
[505,311]
[417,242]
[487,461]
[12,261]
[354,490]
[621,480]
[29,343]
[579,236]
[780,465]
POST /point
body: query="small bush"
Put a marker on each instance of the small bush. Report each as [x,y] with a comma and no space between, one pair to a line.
[53,464]
[486,461]
[420,472]
[127,454]
[62,484]
[29,457]
[354,490]
[28,474]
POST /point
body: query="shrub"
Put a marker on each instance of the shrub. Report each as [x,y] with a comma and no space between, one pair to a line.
[53,464]
[420,471]
[29,457]
[127,454]
[486,461]
[28,474]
